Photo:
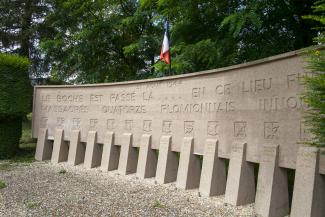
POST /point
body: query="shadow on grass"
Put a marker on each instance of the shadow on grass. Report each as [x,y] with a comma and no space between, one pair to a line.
[27,145]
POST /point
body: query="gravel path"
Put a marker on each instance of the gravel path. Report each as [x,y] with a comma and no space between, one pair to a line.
[40,189]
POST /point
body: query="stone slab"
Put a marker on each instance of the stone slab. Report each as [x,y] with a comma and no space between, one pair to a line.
[147,162]
[189,169]
[60,147]
[93,151]
[128,157]
[43,146]
[309,187]
[167,165]
[76,150]
[258,102]
[213,175]
[111,153]
[272,196]
[240,187]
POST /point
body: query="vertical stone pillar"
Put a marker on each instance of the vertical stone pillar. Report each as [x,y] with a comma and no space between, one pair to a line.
[240,188]
[76,149]
[111,153]
[189,170]
[129,156]
[93,153]
[167,162]
[60,147]
[213,176]
[43,146]
[272,197]
[147,162]
[309,188]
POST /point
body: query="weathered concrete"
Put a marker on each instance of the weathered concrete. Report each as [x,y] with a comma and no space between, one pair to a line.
[111,153]
[240,188]
[189,169]
[129,156]
[272,197]
[93,151]
[213,176]
[60,147]
[76,149]
[309,187]
[167,162]
[257,102]
[147,163]
[43,146]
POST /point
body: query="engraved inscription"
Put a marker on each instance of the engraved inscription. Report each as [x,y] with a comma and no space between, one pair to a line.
[128,125]
[188,128]
[167,126]
[147,125]
[213,128]
[76,123]
[59,122]
[110,124]
[43,122]
[294,79]
[223,89]
[93,123]
[198,92]
[271,130]
[257,85]
[240,129]
[305,134]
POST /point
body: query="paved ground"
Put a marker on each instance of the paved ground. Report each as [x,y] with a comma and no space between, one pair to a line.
[40,189]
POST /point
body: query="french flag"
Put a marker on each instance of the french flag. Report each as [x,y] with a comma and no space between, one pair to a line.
[164,53]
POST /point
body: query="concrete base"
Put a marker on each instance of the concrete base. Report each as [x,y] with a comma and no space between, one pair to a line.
[93,151]
[272,197]
[129,156]
[240,188]
[213,176]
[111,153]
[167,162]
[60,147]
[147,163]
[76,150]
[189,170]
[309,188]
[43,146]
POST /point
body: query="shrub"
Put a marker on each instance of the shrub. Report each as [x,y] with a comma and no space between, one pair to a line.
[15,101]
[315,83]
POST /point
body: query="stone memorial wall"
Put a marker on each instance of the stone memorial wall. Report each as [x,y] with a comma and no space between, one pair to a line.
[248,113]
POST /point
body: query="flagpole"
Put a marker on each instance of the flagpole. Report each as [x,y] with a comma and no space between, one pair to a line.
[170,58]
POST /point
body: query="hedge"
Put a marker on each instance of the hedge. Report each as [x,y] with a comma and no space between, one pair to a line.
[15,101]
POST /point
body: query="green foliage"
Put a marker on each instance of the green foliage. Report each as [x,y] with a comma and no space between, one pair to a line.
[15,88]
[315,83]
[10,132]
[2,184]
[62,172]
[32,204]
[100,41]
[15,101]
[158,204]
[107,41]
[21,29]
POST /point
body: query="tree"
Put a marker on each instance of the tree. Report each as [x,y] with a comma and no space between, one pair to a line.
[315,83]
[100,41]
[21,28]
[210,34]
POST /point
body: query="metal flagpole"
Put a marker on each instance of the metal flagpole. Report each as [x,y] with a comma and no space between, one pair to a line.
[170,58]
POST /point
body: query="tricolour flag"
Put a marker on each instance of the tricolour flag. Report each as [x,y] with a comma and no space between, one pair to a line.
[164,53]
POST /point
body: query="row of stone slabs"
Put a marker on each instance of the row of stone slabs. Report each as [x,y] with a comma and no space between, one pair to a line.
[271,196]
